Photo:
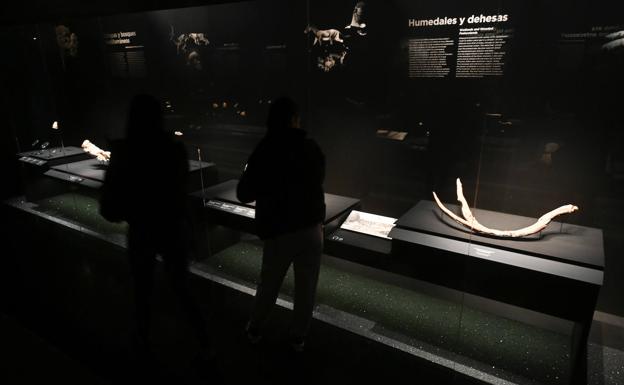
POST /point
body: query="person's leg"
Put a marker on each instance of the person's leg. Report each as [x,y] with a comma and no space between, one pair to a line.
[307,266]
[141,257]
[275,262]
[175,256]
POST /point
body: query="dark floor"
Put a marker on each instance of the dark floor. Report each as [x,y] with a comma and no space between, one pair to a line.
[64,355]
[28,359]
[66,318]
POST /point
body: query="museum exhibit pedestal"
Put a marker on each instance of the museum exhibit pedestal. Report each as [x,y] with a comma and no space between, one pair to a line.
[90,173]
[206,171]
[558,272]
[53,156]
[223,208]
[361,248]
[35,163]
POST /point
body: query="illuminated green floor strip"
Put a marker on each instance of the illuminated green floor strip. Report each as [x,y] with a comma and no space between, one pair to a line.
[80,209]
[522,349]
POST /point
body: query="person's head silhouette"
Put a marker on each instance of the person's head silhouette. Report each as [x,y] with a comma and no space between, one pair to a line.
[283,115]
[145,118]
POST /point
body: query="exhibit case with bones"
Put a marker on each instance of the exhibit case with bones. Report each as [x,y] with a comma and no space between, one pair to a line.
[474,160]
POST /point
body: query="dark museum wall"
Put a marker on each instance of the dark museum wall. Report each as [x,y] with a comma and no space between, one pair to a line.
[399,104]
[18,13]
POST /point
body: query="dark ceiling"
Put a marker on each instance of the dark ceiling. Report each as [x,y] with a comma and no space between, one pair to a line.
[18,12]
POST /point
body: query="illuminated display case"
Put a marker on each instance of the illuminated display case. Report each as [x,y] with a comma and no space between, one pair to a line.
[521,102]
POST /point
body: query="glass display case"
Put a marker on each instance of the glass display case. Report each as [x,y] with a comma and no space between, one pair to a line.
[406,99]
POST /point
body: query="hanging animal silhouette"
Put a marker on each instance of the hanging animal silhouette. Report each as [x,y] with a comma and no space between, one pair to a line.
[324,35]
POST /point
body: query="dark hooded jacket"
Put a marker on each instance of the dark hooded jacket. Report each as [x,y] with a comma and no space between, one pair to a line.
[284,176]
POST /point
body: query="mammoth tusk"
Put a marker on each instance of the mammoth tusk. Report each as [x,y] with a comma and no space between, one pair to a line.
[470,221]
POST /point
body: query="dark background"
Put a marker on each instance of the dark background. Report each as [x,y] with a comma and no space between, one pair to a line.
[491,132]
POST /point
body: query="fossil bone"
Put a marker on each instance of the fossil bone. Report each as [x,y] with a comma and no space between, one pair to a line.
[471,222]
[96,151]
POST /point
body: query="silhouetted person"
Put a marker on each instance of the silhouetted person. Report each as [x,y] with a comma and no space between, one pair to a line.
[146,186]
[284,175]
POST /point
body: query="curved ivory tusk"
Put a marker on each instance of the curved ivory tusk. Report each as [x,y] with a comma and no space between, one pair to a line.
[470,221]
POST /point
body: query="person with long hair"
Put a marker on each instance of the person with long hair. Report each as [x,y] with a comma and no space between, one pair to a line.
[146,185]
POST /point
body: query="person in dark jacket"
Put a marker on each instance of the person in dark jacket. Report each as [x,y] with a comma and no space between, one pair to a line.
[146,185]
[284,176]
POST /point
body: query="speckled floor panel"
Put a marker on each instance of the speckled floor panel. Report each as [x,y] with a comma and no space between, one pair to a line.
[492,346]
[80,209]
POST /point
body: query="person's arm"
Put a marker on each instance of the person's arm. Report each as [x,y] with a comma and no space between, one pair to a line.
[111,203]
[321,164]
[317,162]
